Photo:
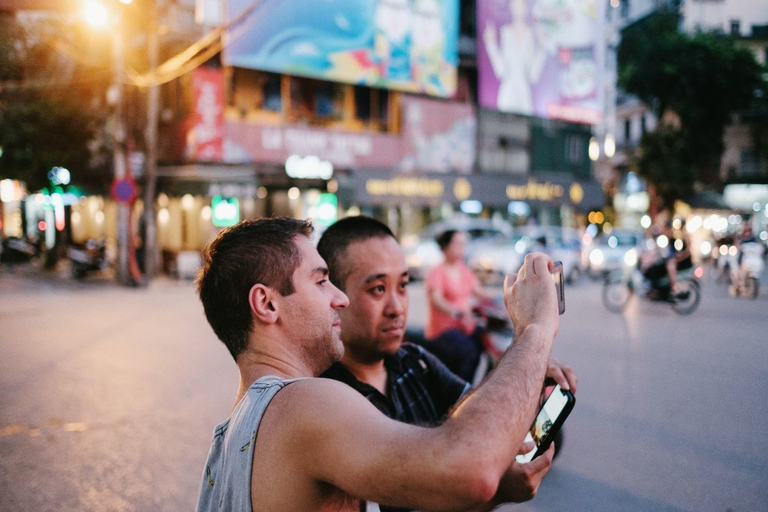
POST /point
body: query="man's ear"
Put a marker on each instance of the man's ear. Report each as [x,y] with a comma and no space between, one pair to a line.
[260,298]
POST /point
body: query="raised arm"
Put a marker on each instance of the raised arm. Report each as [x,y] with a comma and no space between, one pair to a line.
[341,439]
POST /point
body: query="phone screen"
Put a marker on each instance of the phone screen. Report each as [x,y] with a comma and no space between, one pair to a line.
[549,420]
[557,275]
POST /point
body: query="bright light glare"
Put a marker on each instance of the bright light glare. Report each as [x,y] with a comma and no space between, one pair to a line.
[613,242]
[630,258]
[694,224]
[596,257]
[645,221]
[705,248]
[677,223]
[662,241]
[206,212]
[95,14]
[698,273]
[764,235]
[163,216]
[678,245]
[293,193]
[650,244]
[733,251]
[723,250]
[187,201]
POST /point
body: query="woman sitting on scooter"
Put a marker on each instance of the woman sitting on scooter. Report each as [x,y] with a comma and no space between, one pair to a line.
[451,327]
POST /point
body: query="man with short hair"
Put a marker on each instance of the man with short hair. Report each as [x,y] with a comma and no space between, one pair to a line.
[320,445]
[404,381]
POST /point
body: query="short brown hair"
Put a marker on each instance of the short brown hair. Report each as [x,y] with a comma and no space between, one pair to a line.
[251,252]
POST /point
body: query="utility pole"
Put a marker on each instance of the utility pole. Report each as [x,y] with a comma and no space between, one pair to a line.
[150,136]
[119,161]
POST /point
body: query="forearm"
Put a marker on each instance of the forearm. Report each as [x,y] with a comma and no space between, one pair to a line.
[504,406]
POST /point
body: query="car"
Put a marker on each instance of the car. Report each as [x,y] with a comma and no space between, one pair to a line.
[611,251]
[422,252]
[492,259]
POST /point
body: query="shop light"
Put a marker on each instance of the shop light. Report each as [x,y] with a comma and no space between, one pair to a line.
[261,192]
[327,209]
[163,215]
[95,13]
[205,213]
[609,145]
[705,248]
[471,206]
[594,149]
[187,201]
[662,242]
[293,193]
[645,221]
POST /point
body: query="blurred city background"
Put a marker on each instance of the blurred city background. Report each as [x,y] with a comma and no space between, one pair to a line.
[604,132]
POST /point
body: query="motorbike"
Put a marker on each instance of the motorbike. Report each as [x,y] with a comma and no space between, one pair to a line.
[621,284]
[17,250]
[87,257]
[745,278]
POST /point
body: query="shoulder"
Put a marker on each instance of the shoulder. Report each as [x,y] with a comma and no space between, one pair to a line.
[435,274]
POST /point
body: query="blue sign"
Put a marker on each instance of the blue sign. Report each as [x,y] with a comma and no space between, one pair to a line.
[409,45]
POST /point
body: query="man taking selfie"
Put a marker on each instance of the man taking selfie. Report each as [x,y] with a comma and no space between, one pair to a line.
[320,444]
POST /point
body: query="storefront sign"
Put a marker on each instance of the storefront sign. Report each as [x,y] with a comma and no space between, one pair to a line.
[405,187]
[208,132]
[408,45]
[491,190]
[534,191]
[225,211]
[251,142]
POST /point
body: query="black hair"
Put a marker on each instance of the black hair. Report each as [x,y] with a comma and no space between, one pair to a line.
[334,242]
[251,252]
[444,238]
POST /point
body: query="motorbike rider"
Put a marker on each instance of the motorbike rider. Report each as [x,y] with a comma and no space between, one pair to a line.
[675,256]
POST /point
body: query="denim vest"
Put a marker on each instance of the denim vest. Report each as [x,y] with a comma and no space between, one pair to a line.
[226,485]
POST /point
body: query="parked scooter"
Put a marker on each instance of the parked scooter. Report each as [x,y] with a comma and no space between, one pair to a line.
[745,278]
[17,250]
[88,257]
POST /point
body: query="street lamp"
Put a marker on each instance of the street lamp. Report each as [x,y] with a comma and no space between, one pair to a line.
[97,15]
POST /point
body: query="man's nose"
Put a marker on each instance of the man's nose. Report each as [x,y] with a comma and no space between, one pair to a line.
[395,305]
[340,299]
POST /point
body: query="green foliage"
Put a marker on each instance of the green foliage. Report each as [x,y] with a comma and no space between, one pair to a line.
[51,108]
[702,78]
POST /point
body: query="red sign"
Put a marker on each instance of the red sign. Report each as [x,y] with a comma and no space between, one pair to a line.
[208,132]
[124,190]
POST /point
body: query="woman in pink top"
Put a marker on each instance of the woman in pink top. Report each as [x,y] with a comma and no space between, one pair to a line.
[450,325]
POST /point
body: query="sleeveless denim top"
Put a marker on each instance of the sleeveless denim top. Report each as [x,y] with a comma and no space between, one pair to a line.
[226,485]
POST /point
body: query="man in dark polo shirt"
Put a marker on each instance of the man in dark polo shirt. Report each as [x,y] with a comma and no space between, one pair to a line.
[402,380]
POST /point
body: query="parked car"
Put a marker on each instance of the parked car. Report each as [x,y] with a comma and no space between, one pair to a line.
[491,260]
[423,253]
[611,251]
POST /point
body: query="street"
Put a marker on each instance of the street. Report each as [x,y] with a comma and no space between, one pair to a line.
[109,397]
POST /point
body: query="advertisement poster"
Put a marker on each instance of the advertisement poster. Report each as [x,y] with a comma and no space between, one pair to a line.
[408,45]
[542,58]
[208,132]
[438,136]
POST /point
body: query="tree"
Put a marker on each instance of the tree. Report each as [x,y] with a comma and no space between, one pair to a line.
[693,83]
[52,111]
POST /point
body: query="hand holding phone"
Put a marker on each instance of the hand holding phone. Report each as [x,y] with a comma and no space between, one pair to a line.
[548,422]
[557,275]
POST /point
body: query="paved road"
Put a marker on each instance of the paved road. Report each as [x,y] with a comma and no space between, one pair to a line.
[108,397]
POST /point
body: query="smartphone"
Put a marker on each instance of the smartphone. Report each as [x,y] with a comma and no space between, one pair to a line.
[548,422]
[557,275]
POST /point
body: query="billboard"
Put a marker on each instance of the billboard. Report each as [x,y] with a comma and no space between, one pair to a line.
[408,45]
[438,136]
[542,58]
[208,132]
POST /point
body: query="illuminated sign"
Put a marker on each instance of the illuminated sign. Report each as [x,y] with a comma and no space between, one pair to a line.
[534,191]
[406,187]
[225,211]
[310,167]
[327,209]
